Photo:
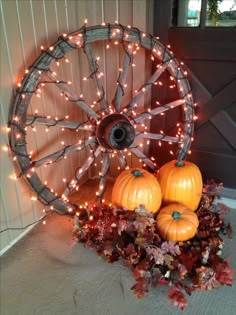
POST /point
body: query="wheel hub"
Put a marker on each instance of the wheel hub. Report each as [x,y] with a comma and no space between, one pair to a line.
[115,131]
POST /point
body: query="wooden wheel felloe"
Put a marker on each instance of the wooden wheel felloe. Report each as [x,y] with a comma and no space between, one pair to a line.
[114,126]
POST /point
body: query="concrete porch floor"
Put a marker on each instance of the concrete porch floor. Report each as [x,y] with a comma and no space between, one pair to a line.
[46,274]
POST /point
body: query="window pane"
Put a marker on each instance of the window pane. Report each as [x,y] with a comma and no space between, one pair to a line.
[221,13]
[186,13]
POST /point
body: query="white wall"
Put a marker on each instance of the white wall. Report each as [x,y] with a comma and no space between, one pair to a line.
[25,26]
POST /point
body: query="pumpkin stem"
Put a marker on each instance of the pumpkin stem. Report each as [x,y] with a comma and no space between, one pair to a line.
[179,163]
[176,215]
[136,173]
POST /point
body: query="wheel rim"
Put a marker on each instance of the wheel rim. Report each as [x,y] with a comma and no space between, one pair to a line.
[112,129]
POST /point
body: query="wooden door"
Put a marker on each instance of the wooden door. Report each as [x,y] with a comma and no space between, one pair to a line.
[210,57]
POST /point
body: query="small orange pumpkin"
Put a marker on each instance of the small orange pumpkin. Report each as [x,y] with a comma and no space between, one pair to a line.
[181,182]
[176,222]
[134,187]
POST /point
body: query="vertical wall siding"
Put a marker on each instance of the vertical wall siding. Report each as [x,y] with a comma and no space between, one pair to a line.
[26,25]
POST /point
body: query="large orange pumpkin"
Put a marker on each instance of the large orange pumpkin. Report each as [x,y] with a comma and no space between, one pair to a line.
[176,222]
[135,187]
[181,182]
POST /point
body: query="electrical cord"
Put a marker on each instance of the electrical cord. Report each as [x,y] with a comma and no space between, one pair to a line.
[23,228]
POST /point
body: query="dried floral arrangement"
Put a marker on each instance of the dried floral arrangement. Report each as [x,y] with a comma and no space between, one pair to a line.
[193,265]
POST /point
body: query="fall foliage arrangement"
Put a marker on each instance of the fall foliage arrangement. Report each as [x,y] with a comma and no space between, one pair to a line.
[175,246]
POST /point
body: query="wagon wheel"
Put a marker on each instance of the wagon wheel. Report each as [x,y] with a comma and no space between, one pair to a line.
[112,127]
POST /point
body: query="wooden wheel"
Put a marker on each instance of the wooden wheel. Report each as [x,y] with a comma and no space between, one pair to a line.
[110,127]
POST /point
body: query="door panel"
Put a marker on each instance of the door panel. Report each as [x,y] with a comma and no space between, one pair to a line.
[210,57]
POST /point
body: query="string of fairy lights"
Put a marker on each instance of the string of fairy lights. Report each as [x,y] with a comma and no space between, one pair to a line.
[40,74]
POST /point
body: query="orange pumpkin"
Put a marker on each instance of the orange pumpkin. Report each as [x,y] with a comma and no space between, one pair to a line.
[181,182]
[134,187]
[176,222]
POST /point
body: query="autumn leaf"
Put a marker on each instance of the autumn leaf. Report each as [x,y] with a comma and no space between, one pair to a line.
[168,261]
[141,211]
[141,224]
[122,226]
[188,260]
[129,249]
[137,273]
[131,254]
[171,248]
[178,297]
[144,264]
[155,253]
[224,274]
[108,247]
[182,271]
[206,279]
[133,236]
[140,287]
[144,238]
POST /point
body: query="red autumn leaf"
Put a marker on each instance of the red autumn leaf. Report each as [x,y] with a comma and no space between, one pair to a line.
[122,226]
[107,247]
[178,297]
[137,273]
[133,259]
[133,237]
[131,255]
[129,249]
[224,274]
[140,287]
[144,264]
[188,260]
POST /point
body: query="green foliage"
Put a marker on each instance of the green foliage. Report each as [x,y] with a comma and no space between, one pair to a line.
[213,10]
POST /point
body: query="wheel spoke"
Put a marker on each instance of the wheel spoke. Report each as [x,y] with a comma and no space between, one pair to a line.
[103,175]
[162,137]
[58,122]
[143,157]
[81,171]
[158,110]
[143,89]
[94,69]
[122,159]
[98,122]
[122,77]
[72,97]
[54,157]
